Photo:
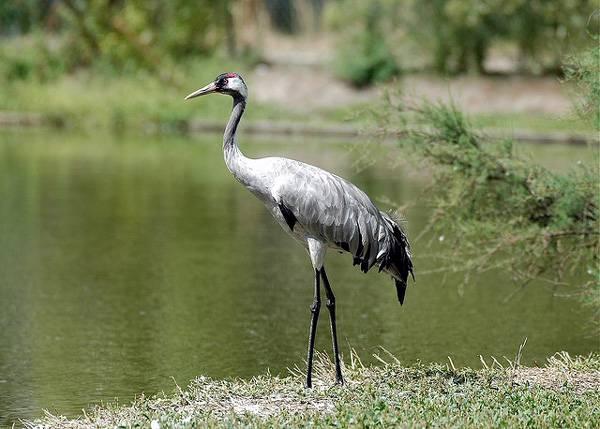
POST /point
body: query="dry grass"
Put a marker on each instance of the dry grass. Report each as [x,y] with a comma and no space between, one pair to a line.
[562,372]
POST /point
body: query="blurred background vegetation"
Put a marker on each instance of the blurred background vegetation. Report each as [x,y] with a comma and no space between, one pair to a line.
[72,60]
[43,39]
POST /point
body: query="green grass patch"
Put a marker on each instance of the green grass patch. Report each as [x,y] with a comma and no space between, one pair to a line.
[564,394]
[99,99]
[358,114]
[542,123]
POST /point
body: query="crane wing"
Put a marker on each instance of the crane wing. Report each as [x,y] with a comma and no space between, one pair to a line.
[332,210]
[313,203]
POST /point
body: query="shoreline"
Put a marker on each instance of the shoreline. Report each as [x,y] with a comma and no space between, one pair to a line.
[289,128]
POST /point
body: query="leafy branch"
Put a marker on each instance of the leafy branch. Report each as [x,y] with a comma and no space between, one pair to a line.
[497,208]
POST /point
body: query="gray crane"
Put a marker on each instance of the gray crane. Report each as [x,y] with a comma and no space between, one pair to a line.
[318,209]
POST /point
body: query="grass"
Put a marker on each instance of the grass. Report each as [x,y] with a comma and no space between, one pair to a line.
[543,123]
[565,393]
[95,99]
[98,98]
[502,123]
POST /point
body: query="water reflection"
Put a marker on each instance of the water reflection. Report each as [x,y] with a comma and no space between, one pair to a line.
[127,261]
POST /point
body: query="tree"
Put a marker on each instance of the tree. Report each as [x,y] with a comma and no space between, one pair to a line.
[455,36]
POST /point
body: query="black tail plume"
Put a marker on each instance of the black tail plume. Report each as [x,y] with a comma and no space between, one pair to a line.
[400,290]
[398,262]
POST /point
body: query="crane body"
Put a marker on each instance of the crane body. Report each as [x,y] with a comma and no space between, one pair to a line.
[319,210]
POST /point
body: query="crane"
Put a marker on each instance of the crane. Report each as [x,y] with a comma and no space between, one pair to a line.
[318,209]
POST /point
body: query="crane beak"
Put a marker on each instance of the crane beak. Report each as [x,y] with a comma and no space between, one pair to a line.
[211,87]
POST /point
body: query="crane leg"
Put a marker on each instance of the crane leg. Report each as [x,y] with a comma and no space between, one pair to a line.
[331,307]
[314,309]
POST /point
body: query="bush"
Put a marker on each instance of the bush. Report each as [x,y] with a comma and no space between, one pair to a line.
[364,58]
[584,71]
[461,32]
[30,58]
[130,35]
[455,36]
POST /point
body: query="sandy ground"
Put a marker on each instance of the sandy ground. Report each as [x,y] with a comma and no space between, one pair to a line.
[297,74]
[480,94]
[304,88]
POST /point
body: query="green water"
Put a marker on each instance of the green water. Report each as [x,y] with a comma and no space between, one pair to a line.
[127,262]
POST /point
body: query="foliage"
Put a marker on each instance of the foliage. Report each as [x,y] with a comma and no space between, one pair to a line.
[458,33]
[456,36]
[117,35]
[504,211]
[564,394]
[453,36]
[30,58]
[138,33]
[20,16]
[364,57]
[584,71]
[282,15]
[461,32]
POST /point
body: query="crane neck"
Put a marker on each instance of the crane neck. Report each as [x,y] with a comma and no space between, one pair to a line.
[234,158]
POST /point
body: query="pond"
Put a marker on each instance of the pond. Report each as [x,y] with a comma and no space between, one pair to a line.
[130,263]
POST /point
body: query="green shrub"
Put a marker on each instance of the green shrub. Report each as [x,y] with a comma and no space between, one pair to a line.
[503,211]
[455,36]
[584,71]
[364,58]
[30,58]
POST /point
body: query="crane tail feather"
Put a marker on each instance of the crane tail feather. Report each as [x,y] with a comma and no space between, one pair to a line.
[395,258]
[398,260]
[400,290]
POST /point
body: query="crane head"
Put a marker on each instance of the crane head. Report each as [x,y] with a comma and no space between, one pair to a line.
[230,84]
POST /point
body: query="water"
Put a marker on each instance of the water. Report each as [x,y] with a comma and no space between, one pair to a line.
[127,262]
